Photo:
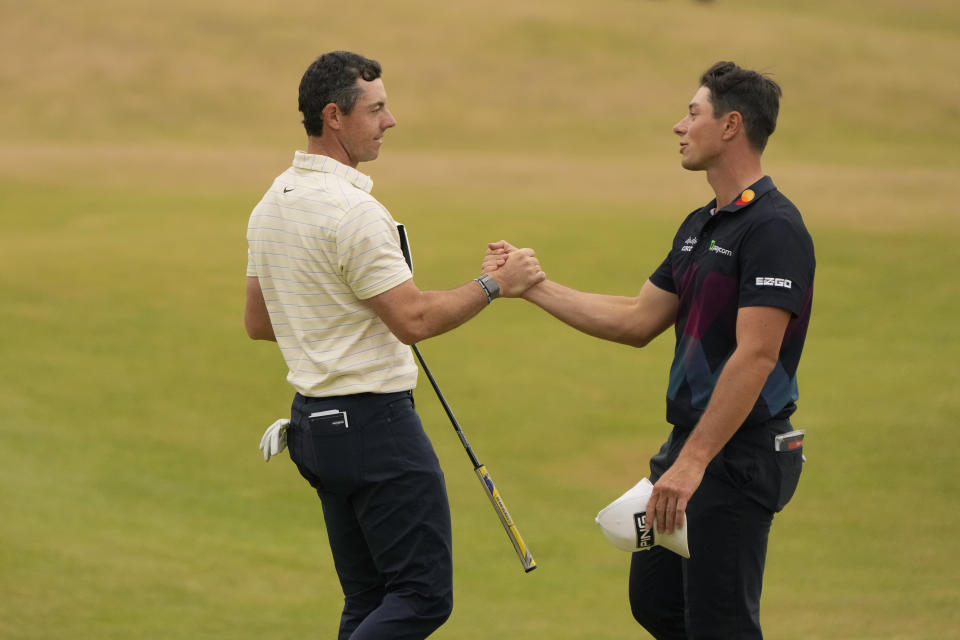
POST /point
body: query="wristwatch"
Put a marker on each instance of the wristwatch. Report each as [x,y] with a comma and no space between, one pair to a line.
[490,286]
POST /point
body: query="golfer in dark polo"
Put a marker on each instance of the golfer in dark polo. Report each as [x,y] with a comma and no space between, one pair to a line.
[737,287]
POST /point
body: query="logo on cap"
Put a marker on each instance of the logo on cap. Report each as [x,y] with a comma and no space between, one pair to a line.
[645,538]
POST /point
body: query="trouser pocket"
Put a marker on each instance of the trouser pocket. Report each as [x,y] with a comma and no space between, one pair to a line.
[789,467]
[327,449]
[750,462]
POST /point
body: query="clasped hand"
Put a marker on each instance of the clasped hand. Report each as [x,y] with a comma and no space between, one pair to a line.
[515,270]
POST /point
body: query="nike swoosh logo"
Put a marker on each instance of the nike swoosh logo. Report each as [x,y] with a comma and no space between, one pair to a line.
[288,189]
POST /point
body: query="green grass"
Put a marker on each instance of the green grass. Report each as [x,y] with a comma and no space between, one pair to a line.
[137,139]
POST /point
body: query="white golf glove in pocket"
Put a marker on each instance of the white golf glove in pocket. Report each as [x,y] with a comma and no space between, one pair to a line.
[274,439]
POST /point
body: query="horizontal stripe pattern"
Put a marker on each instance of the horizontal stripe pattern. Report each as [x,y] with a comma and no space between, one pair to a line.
[320,245]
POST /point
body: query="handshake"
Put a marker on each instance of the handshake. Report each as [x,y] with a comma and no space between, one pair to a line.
[515,270]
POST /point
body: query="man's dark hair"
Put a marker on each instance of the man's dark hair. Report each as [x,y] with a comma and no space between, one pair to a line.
[753,94]
[332,78]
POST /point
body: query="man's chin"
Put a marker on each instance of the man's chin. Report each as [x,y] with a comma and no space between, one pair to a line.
[367,158]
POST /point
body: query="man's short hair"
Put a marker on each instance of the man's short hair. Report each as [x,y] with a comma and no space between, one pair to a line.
[333,78]
[753,94]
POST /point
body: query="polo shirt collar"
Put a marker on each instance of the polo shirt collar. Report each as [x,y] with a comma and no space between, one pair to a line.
[750,194]
[326,164]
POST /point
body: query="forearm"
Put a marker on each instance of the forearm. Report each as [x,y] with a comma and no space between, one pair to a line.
[615,318]
[734,396]
[437,312]
[414,315]
[736,391]
[759,336]
[598,315]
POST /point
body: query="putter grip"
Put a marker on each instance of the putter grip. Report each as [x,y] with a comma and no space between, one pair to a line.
[526,559]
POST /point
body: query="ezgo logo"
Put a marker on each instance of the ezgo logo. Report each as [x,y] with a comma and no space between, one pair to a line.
[783,283]
[718,249]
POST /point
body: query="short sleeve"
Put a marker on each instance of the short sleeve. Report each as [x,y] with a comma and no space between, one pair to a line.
[663,276]
[368,250]
[777,265]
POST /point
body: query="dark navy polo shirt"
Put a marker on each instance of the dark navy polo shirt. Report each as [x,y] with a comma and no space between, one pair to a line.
[753,252]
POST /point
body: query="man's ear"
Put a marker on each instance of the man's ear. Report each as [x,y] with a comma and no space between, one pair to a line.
[732,124]
[332,116]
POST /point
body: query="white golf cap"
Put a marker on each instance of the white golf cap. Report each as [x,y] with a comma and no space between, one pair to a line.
[624,523]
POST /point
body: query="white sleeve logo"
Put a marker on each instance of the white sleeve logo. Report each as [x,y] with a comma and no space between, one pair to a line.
[782,283]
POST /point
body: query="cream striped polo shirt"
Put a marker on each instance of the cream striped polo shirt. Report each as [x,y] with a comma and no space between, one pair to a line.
[320,245]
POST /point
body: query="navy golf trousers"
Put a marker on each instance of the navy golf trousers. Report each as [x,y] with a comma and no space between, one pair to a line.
[716,593]
[385,508]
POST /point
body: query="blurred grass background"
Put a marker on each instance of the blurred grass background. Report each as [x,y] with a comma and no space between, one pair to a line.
[136,137]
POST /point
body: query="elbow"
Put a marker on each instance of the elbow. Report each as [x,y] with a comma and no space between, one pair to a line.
[250,328]
[408,335]
[409,329]
[406,338]
[761,361]
[638,339]
[767,363]
[643,333]
[256,331]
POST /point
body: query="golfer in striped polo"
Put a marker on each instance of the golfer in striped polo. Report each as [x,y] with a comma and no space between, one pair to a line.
[327,280]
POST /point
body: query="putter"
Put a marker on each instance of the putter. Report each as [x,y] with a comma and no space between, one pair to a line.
[526,559]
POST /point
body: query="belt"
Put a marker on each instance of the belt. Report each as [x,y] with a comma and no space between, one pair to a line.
[353,396]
